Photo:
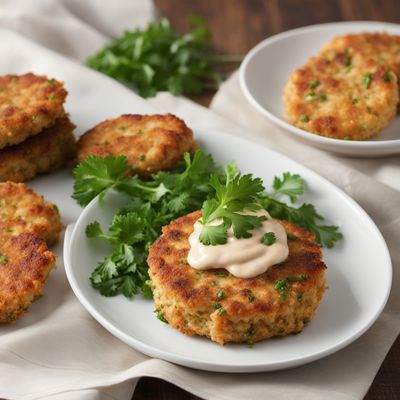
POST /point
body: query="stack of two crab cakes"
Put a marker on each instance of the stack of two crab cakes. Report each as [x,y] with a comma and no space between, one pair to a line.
[28,225]
[36,136]
[349,90]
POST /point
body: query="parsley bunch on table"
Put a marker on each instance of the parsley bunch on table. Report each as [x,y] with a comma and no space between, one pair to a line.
[197,183]
[160,59]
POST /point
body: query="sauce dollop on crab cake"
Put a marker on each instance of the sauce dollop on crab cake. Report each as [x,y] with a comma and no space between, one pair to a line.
[341,94]
[226,308]
[151,143]
[28,104]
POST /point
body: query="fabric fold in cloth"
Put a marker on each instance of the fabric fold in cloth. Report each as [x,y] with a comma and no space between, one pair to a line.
[59,352]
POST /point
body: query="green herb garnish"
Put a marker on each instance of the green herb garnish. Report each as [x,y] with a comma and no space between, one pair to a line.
[221,295]
[221,311]
[281,285]
[160,59]
[310,96]
[250,344]
[322,97]
[387,77]
[160,316]
[291,236]
[347,58]
[314,84]
[282,288]
[304,118]
[291,185]
[237,193]
[367,80]
[3,259]
[153,203]
[297,278]
[268,238]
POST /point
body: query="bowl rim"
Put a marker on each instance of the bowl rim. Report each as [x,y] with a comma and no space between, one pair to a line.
[307,136]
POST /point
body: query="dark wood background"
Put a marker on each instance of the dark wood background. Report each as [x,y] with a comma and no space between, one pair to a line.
[237,25]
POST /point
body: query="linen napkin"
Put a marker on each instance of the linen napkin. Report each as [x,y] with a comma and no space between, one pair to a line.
[58,352]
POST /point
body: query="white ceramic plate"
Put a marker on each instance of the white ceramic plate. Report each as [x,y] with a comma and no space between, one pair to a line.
[266,68]
[359,278]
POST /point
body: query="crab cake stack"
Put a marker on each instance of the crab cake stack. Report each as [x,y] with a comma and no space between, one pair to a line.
[35,134]
[151,143]
[28,225]
[349,90]
[226,308]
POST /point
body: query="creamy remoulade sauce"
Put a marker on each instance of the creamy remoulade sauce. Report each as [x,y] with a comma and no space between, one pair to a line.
[245,257]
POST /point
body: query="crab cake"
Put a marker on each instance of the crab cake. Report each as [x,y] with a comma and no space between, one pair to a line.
[342,95]
[25,263]
[22,210]
[225,308]
[50,149]
[381,47]
[150,142]
[28,104]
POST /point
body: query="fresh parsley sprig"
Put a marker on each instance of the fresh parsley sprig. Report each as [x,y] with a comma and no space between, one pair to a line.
[237,194]
[160,59]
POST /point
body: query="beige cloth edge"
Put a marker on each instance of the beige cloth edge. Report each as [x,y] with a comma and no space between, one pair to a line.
[302,382]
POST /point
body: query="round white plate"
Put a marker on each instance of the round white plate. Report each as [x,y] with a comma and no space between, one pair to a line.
[359,277]
[266,68]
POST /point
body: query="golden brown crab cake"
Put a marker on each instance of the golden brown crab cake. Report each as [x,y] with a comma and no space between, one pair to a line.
[381,47]
[151,143]
[49,150]
[22,210]
[25,262]
[225,308]
[28,104]
[342,95]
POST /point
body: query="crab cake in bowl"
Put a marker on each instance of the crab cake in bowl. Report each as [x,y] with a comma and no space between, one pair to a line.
[24,211]
[50,149]
[381,47]
[341,94]
[226,308]
[25,262]
[151,143]
[28,104]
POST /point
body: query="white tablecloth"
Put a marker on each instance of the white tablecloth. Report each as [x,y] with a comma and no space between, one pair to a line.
[61,353]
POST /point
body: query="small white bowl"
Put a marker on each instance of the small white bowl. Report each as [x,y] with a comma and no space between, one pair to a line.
[266,68]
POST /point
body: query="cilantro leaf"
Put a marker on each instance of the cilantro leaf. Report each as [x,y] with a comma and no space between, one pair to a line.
[125,228]
[328,235]
[304,216]
[237,193]
[214,234]
[242,224]
[291,185]
[124,271]
[96,175]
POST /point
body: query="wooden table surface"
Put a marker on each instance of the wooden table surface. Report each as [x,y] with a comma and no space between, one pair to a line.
[237,25]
